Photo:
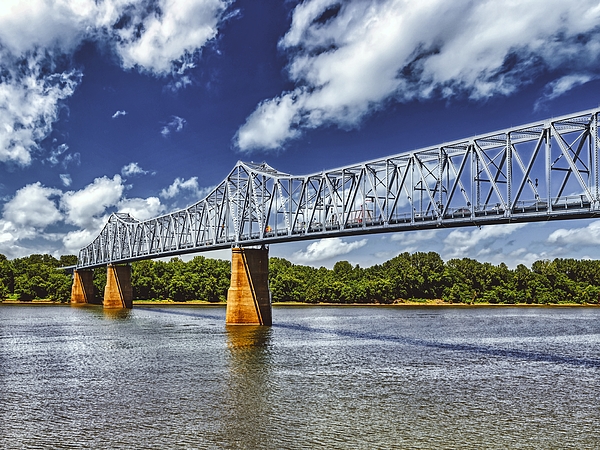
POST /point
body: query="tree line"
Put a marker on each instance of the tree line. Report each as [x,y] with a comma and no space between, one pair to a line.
[416,276]
[425,276]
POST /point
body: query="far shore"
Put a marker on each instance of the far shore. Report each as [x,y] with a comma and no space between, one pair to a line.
[398,303]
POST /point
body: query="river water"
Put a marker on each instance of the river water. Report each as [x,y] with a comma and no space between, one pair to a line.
[321,377]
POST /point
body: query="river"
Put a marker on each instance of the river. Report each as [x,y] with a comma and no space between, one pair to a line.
[322,377]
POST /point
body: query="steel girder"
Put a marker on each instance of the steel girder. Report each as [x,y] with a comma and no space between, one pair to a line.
[541,171]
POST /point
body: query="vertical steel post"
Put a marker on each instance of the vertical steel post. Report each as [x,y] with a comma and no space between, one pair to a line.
[509,200]
[548,153]
[594,143]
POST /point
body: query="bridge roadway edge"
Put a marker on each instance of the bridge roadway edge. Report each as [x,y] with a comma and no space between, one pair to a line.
[489,219]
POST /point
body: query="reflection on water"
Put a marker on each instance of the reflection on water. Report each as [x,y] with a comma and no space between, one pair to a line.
[248,398]
[321,377]
[247,338]
[117,313]
[109,313]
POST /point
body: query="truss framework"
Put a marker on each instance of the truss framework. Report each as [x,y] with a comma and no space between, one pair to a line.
[541,171]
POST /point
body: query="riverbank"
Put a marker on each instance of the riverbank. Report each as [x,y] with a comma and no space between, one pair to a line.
[398,303]
[434,303]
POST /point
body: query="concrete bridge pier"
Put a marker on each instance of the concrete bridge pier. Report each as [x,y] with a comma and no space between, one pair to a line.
[249,297]
[82,290]
[118,292]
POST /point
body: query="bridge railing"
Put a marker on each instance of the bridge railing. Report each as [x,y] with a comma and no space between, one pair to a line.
[541,171]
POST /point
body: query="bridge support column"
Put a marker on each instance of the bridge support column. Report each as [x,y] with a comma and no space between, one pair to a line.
[118,292]
[249,298]
[83,286]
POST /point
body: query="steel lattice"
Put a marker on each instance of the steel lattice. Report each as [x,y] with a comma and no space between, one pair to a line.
[546,170]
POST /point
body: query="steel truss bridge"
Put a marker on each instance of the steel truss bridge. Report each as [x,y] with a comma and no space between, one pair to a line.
[546,170]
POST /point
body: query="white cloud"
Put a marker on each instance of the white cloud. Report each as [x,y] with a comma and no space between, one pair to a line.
[55,154]
[460,243]
[559,87]
[119,114]
[589,235]
[176,124]
[171,33]
[408,237]
[74,158]
[66,179]
[132,169]
[414,241]
[74,241]
[325,249]
[271,124]
[33,206]
[30,216]
[181,184]
[155,36]
[368,53]
[141,208]
[106,193]
[38,38]
[29,103]
[83,208]
[26,216]
[564,84]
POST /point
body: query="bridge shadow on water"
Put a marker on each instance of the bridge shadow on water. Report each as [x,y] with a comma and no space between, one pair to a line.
[470,348]
[181,313]
[247,336]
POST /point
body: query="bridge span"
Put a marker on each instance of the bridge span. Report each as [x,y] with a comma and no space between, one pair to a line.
[545,170]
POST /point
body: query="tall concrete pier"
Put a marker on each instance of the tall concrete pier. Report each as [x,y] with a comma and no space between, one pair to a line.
[118,292]
[83,286]
[249,298]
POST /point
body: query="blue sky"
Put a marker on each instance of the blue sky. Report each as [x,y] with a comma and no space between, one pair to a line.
[143,106]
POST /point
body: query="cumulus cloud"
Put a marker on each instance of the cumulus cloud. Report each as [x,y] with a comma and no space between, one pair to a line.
[38,38]
[104,190]
[30,216]
[180,184]
[25,218]
[132,169]
[271,124]
[119,114]
[85,207]
[348,59]
[589,235]
[325,249]
[33,206]
[75,240]
[460,243]
[168,34]
[176,124]
[141,208]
